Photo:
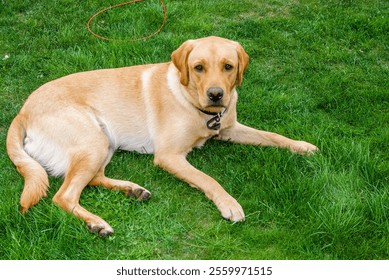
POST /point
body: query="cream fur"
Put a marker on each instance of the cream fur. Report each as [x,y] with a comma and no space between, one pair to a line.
[71,126]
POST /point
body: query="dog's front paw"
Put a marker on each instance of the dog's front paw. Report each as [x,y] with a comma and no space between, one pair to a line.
[231,210]
[303,148]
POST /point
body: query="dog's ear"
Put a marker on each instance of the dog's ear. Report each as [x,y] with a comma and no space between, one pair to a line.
[180,60]
[243,60]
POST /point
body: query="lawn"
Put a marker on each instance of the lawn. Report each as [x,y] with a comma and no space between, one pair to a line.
[318,72]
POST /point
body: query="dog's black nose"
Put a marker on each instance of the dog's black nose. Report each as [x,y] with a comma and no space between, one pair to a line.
[215,93]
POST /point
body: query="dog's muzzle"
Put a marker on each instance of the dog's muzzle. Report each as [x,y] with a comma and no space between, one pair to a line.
[215,94]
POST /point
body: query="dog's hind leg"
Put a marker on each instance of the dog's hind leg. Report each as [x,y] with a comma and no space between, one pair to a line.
[83,167]
[131,190]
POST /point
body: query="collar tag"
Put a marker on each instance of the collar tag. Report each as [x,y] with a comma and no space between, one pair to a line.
[214,123]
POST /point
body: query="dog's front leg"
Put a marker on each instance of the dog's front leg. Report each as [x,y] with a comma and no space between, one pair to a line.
[246,135]
[181,168]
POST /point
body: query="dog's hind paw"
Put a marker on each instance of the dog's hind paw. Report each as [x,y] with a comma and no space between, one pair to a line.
[140,193]
[100,229]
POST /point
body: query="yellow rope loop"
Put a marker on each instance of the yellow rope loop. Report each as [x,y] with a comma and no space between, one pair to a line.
[126,40]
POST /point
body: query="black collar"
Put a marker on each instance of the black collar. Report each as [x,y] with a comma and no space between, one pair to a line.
[214,123]
[208,113]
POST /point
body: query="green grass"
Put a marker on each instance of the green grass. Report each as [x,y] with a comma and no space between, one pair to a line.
[318,72]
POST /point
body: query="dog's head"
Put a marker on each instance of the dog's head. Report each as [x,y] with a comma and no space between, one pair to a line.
[210,68]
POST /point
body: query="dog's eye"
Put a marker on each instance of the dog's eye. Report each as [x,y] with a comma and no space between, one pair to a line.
[199,68]
[228,67]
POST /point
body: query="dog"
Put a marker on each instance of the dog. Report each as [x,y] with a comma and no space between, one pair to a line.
[72,126]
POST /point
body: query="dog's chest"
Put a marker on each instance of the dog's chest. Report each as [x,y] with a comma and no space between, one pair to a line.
[200,142]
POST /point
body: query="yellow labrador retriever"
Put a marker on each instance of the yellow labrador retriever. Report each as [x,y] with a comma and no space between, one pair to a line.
[71,126]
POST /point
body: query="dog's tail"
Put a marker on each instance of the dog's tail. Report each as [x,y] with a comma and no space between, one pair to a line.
[36,181]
